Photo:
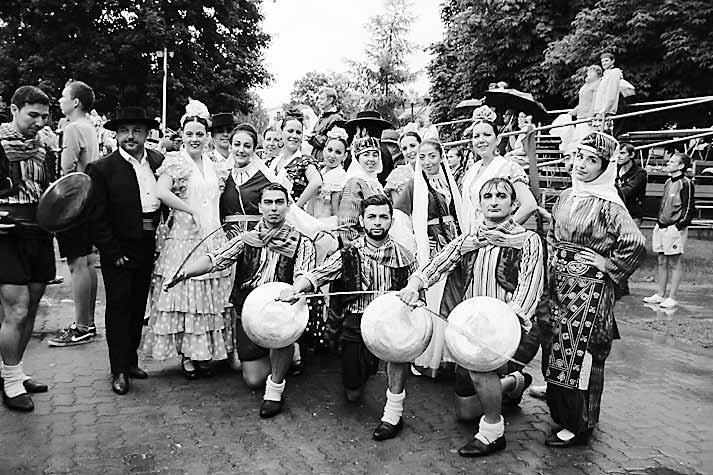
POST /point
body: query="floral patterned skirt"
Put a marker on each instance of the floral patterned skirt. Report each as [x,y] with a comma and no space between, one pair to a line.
[194,318]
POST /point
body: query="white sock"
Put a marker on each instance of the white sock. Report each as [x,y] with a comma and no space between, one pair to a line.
[394,407]
[12,377]
[273,391]
[489,433]
[25,377]
[565,435]
[296,358]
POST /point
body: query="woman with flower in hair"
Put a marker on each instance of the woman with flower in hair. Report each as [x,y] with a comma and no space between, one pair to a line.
[333,176]
[192,319]
[295,171]
[491,164]
[594,243]
[426,216]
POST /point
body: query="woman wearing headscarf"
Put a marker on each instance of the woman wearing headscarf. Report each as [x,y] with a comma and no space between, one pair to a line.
[594,243]
[426,216]
[491,165]
[361,183]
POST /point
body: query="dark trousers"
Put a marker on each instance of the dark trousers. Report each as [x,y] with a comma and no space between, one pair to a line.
[127,289]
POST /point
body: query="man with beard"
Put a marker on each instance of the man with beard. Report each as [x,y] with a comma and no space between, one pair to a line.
[123,227]
[27,167]
[272,252]
[373,262]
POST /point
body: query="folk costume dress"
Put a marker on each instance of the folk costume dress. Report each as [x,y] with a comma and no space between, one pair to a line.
[475,178]
[587,216]
[193,318]
[427,213]
[333,181]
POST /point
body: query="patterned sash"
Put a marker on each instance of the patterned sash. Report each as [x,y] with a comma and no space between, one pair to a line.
[578,291]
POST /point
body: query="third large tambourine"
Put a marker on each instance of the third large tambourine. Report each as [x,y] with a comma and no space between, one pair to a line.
[394,331]
[272,323]
[482,333]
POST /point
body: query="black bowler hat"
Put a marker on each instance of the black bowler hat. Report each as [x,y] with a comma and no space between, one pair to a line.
[131,115]
[369,119]
[223,119]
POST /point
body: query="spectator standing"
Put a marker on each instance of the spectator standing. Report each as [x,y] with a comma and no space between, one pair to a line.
[631,182]
[328,118]
[80,147]
[606,99]
[671,230]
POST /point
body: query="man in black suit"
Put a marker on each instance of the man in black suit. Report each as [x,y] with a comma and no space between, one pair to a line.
[124,219]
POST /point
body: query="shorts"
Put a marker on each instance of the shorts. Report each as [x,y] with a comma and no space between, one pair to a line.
[26,259]
[248,350]
[75,242]
[669,241]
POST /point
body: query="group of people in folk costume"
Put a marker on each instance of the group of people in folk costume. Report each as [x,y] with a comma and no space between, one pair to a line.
[357,218]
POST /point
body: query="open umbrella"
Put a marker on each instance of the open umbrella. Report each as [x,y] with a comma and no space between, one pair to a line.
[520,101]
[468,105]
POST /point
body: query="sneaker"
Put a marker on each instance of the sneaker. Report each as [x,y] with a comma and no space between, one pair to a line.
[656,298]
[668,303]
[72,336]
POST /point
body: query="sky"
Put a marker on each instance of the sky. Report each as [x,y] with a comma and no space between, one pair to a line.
[318,35]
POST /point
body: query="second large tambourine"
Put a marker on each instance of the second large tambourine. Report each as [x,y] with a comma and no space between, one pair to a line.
[272,323]
[394,331]
[482,333]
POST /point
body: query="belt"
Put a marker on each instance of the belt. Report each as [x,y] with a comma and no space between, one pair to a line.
[446,219]
[242,218]
[150,220]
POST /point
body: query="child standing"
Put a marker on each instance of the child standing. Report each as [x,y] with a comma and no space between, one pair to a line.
[671,230]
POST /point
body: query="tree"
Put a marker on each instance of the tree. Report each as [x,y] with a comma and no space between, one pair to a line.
[664,48]
[258,116]
[306,89]
[495,40]
[110,44]
[381,77]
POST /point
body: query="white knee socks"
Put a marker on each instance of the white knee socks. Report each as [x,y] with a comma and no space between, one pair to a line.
[273,391]
[394,407]
[13,377]
[489,433]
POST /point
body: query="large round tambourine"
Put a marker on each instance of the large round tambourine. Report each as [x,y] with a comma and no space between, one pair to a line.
[62,205]
[482,333]
[271,323]
[394,331]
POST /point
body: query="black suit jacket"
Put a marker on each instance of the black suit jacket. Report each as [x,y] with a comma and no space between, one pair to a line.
[116,215]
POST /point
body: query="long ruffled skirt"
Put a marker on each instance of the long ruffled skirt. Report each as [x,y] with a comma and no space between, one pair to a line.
[194,318]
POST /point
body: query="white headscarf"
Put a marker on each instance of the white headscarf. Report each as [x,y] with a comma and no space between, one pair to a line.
[603,186]
[356,170]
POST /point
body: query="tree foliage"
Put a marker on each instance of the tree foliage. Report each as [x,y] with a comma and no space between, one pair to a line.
[306,89]
[382,76]
[665,48]
[111,44]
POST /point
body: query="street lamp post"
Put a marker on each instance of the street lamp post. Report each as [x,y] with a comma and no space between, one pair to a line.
[164,54]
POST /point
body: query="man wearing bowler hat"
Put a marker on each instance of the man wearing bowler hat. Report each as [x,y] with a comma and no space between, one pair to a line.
[123,227]
[221,126]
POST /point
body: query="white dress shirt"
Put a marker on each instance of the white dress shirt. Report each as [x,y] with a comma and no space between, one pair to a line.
[146,179]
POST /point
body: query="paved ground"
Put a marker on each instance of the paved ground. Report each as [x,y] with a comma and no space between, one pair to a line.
[656,418]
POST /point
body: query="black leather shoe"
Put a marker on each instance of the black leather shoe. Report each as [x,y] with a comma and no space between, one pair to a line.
[120,383]
[556,442]
[188,373]
[387,431]
[32,386]
[137,373]
[22,403]
[475,448]
[269,409]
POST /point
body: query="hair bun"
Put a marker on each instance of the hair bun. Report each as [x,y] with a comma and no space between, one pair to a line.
[484,113]
[338,133]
